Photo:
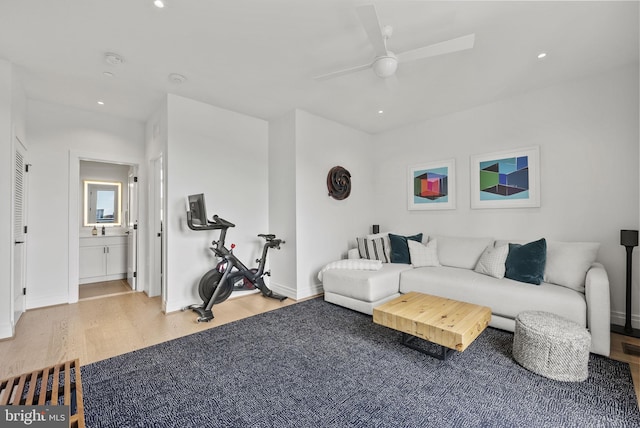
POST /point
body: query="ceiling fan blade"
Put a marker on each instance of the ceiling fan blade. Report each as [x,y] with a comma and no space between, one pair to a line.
[342,72]
[369,19]
[449,46]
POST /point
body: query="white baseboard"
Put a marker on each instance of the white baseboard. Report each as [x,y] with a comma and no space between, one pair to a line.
[34,302]
[296,294]
[6,331]
[620,319]
[310,291]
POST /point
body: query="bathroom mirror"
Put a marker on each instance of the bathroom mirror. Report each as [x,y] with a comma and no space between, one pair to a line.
[102,203]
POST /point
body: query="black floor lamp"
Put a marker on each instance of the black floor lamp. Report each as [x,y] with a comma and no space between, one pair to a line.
[628,238]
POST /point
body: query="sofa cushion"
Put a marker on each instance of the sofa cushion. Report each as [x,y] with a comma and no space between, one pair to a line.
[400,248]
[423,254]
[525,263]
[505,297]
[568,263]
[492,261]
[365,285]
[353,264]
[376,248]
[461,252]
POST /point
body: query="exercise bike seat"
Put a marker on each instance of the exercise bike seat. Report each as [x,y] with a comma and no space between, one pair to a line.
[268,236]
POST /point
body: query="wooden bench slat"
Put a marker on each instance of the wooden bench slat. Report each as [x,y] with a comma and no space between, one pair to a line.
[43,386]
[67,383]
[5,391]
[33,383]
[79,399]
[54,386]
[17,393]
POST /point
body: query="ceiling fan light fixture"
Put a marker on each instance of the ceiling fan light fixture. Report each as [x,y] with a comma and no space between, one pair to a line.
[385,66]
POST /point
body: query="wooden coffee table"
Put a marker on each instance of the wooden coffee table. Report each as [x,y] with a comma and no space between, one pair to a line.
[450,324]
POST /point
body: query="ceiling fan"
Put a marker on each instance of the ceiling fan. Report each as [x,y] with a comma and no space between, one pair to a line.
[386,62]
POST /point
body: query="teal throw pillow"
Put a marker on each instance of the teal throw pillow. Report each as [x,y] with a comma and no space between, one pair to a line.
[525,263]
[400,248]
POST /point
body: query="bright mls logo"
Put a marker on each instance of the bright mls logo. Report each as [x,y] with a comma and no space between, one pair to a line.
[34,416]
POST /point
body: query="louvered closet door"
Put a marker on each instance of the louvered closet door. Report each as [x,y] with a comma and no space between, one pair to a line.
[19,235]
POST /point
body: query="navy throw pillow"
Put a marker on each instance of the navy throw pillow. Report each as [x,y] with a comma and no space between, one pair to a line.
[525,263]
[400,248]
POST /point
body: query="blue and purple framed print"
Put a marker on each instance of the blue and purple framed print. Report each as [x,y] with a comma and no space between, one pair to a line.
[509,179]
[432,186]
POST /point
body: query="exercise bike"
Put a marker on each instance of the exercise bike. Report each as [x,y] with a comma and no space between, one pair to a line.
[230,273]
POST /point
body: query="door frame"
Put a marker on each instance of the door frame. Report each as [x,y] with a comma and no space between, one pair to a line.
[157,198]
[132,227]
[75,199]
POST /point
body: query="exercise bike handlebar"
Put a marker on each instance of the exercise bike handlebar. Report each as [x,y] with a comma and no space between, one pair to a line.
[221,222]
[217,223]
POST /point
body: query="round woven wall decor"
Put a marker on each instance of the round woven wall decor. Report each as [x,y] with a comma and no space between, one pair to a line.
[339,183]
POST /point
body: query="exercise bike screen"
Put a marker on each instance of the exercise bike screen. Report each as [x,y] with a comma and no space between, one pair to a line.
[198,209]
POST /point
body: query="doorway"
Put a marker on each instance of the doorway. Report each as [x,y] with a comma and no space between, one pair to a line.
[108,227]
[79,234]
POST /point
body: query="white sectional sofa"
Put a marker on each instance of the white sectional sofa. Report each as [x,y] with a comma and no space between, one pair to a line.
[574,286]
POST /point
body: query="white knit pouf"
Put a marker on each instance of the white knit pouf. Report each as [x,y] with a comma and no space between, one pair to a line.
[552,346]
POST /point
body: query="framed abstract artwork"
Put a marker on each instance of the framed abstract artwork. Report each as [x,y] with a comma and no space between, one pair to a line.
[432,186]
[509,179]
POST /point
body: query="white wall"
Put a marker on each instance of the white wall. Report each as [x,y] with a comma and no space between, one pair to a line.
[325,228]
[587,131]
[282,203]
[12,125]
[58,137]
[222,154]
[6,155]
[156,136]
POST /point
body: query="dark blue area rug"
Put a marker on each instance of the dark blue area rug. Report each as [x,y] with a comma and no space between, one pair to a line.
[314,364]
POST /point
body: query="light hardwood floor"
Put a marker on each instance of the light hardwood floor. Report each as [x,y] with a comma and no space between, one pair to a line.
[100,328]
[101,289]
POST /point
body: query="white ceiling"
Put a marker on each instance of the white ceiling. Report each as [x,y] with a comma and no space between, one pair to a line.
[259,57]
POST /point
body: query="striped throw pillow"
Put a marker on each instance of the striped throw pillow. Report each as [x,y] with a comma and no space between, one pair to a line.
[373,249]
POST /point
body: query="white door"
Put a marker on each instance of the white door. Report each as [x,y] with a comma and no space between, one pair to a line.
[19,230]
[132,229]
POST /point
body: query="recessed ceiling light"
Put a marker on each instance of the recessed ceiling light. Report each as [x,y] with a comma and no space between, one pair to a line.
[101,103]
[113,58]
[542,55]
[380,111]
[158,3]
